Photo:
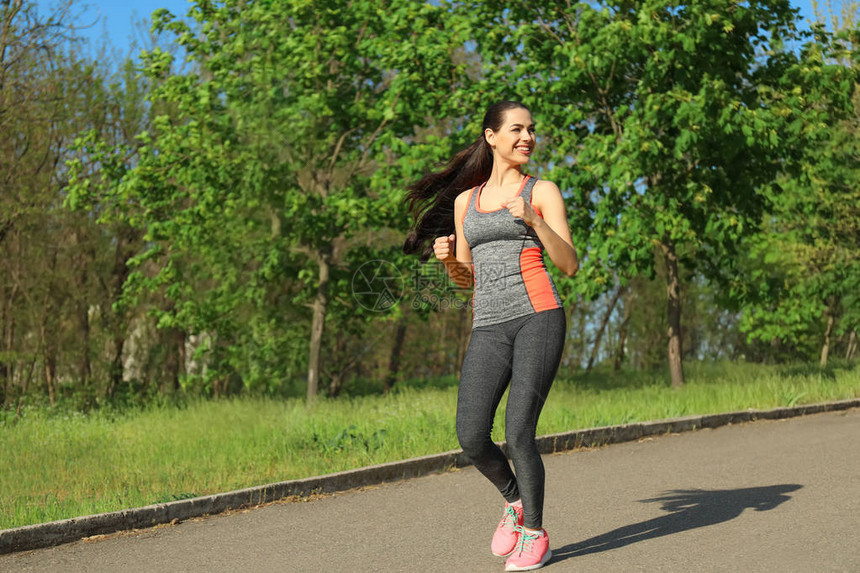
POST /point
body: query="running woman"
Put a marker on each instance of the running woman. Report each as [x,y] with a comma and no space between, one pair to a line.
[489,224]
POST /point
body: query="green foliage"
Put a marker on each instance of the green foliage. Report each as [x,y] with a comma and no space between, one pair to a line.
[266,158]
[802,271]
[666,121]
[669,123]
[208,199]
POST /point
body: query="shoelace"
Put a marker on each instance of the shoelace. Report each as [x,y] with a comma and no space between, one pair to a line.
[524,538]
[511,515]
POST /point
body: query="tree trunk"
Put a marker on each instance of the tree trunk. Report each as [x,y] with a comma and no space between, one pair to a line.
[338,374]
[396,350]
[117,322]
[25,383]
[84,366]
[4,369]
[852,346]
[7,367]
[622,334]
[825,348]
[174,366]
[51,376]
[580,343]
[181,341]
[48,332]
[7,327]
[49,355]
[116,365]
[673,291]
[606,316]
[83,309]
[5,227]
[324,257]
[335,384]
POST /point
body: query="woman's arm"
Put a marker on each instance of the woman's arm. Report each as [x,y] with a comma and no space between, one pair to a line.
[453,250]
[552,229]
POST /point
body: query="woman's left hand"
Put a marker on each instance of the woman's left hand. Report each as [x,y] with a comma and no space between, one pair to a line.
[521,210]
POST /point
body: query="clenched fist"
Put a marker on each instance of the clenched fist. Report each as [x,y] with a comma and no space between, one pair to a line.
[443,248]
[521,210]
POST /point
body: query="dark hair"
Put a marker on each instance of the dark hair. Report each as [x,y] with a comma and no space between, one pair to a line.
[430,200]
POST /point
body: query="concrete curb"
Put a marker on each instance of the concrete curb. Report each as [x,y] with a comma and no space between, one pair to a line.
[68,530]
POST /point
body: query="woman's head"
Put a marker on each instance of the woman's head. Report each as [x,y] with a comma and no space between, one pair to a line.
[510,132]
[507,133]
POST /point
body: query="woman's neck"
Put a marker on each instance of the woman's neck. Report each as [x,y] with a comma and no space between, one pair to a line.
[505,175]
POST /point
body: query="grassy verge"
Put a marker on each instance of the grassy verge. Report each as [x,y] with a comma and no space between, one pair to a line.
[60,465]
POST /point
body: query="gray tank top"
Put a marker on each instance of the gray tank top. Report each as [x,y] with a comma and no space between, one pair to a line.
[511,279]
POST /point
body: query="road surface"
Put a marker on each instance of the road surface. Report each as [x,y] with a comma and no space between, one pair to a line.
[765,496]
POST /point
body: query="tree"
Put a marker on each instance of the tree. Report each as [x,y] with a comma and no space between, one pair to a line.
[269,154]
[803,270]
[44,85]
[103,152]
[667,121]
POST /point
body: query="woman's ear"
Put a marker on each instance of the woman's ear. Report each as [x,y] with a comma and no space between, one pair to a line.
[490,136]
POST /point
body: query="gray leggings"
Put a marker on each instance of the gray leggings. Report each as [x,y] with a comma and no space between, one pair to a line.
[526,352]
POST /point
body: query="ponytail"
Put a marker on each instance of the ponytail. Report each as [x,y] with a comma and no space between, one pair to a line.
[431,199]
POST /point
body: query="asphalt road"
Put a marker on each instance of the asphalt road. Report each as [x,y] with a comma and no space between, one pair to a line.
[766,496]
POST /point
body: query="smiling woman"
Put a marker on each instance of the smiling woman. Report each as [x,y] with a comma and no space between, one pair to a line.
[492,224]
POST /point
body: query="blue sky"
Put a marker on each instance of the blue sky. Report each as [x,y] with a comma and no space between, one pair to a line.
[114,18]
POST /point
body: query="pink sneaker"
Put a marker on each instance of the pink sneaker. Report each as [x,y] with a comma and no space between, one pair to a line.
[505,537]
[532,551]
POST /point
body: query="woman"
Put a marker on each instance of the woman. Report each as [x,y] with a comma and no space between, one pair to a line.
[489,224]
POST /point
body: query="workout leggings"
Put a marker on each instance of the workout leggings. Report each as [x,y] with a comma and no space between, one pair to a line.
[525,352]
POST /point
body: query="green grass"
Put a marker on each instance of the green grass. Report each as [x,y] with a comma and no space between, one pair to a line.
[57,465]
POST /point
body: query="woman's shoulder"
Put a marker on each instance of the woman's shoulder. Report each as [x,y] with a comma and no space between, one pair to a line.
[544,189]
[546,185]
[463,197]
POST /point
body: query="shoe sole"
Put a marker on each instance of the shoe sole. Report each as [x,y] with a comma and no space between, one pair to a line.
[508,554]
[543,562]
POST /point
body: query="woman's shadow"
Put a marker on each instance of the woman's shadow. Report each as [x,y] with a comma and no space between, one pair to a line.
[688,509]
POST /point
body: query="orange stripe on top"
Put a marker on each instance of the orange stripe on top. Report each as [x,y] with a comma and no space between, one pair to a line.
[537,280]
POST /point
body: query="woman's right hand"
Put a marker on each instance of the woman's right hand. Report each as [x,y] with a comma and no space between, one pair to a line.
[443,248]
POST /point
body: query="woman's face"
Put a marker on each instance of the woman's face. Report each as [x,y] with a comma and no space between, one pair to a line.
[514,142]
